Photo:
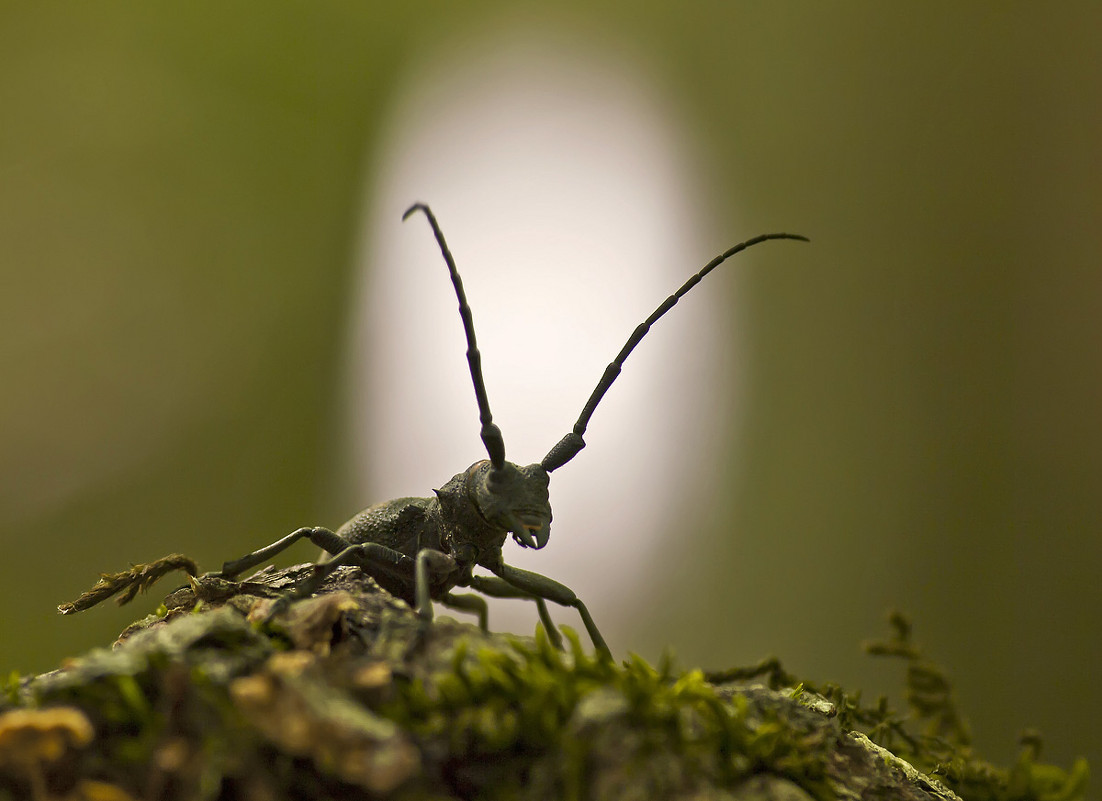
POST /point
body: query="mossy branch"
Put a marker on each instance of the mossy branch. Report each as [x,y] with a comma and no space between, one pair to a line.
[349,694]
[138,578]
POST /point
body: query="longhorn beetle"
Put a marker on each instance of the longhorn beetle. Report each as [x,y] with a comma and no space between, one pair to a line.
[420,549]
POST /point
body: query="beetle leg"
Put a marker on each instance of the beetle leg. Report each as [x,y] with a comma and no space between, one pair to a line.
[322,537]
[368,556]
[500,588]
[543,587]
[469,603]
[429,562]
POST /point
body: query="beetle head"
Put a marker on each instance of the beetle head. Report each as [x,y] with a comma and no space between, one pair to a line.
[515,499]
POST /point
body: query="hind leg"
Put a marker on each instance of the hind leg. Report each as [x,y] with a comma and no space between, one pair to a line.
[322,537]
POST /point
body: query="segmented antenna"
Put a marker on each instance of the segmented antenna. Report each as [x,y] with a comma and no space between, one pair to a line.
[491,434]
[569,446]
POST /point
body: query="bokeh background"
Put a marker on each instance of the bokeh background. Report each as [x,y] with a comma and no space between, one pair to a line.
[198,203]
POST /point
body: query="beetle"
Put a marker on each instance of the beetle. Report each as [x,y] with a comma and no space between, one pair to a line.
[420,549]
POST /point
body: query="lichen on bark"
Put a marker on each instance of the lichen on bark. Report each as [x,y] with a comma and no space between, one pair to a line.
[349,694]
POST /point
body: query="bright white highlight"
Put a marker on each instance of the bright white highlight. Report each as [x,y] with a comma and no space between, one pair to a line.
[569,204]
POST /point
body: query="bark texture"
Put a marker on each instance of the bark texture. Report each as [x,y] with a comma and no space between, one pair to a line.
[348,695]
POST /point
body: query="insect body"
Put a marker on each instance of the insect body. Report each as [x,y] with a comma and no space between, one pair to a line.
[421,549]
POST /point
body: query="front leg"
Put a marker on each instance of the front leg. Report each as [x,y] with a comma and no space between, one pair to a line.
[497,587]
[543,587]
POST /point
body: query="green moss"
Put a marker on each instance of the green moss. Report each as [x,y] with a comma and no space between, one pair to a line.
[934,736]
[470,715]
[944,745]
[11,687]
[533,702]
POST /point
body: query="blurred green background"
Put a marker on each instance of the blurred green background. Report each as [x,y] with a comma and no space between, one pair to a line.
[181,191]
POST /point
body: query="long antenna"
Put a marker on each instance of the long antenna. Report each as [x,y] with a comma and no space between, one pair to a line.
[569,446]
[491,434]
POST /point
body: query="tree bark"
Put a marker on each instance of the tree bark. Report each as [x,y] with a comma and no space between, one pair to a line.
[348,694]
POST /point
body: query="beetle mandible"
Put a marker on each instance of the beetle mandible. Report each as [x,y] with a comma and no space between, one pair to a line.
[420,549]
